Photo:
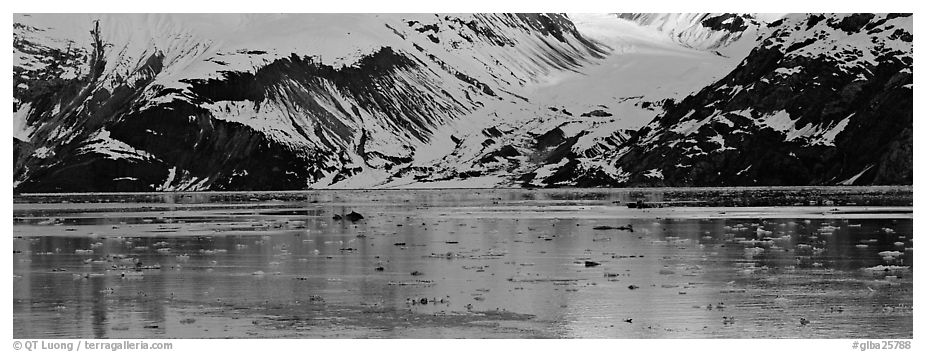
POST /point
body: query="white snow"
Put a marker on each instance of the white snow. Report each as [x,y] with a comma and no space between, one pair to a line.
[787,71]
[439,146]
[829,135]
[654,173]
[595,135]
[172,173]
[472,182]
[43,152]
[621,175]
[688,126]
[718,139]
[618,174]
[103,143]
[182,181]
[21,129]
[546,171]
[781,121]
[850,181]
[815,134]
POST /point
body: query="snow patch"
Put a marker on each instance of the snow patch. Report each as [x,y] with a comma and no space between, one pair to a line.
[688,126]
[170,178]
[545,171]
[781,121]
[114,149]
[472,182]
[654,173]
[620,175]
[829,135]
[43,152]
[718,139]
[787,71]
[21,128]
[851,180]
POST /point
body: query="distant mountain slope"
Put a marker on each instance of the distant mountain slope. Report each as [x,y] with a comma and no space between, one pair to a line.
[823,100]
[236,102]
[703,31]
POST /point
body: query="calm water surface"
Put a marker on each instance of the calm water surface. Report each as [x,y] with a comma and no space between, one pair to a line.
[712,263]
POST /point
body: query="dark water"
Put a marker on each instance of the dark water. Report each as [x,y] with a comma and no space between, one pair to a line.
[728,263]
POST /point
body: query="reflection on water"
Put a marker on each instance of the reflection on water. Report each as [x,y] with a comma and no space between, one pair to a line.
[823,262]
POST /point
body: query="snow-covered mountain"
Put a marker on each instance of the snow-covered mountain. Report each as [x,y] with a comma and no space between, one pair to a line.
[576,115]
[823,99]
[167,101]
[247,102]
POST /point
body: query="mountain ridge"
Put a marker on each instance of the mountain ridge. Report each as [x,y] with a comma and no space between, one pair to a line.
[148,102]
